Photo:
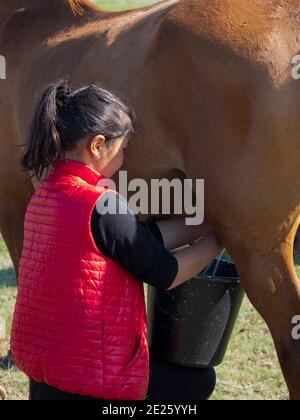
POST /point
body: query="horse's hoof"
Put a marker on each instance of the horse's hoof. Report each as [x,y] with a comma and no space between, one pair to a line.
[2,393]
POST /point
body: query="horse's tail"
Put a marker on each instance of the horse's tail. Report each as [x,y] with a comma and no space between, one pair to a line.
[76,6]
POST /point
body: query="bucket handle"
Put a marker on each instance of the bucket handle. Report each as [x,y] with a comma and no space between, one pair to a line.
[219,257]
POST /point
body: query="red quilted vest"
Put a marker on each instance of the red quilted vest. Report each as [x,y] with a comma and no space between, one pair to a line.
[80,319]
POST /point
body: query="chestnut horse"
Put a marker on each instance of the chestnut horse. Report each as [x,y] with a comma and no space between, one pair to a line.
[211,83]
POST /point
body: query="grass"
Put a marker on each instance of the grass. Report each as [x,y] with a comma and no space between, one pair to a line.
[123,4]
[14,382]
[249,372]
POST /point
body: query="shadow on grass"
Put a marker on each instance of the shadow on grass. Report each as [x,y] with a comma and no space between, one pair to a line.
[7,363]
[8,278]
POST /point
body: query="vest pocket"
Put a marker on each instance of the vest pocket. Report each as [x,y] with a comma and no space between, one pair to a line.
[134,384]
[136,352]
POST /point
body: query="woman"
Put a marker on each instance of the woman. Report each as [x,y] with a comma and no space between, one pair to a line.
[79,327]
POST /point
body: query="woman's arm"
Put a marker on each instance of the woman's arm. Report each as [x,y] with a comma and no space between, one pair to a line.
[193,259]
[176,233]
[139,248]
[134,245]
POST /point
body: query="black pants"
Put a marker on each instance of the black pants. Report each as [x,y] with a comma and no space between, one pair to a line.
[166,382]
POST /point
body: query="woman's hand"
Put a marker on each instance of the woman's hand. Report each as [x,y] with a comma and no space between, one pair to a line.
[192,260]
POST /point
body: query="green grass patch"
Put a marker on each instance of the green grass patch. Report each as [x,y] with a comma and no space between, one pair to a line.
[15,383]
[115,5]
[250,370]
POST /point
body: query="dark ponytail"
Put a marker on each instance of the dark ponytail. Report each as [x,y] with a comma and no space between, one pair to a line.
[63,117]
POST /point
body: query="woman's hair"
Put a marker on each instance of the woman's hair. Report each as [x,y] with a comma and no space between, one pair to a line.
[63,117]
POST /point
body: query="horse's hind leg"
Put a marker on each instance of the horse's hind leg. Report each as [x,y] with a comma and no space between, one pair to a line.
[14,196]
[271,283]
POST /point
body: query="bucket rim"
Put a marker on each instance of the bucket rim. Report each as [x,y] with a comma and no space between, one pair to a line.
[220,279]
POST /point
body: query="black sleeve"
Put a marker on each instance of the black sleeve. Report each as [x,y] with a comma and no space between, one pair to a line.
[135,245]
[152,226]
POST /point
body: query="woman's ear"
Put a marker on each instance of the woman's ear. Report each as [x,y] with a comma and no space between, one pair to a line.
[97,144]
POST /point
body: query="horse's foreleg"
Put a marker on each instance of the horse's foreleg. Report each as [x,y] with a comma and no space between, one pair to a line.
[271,283]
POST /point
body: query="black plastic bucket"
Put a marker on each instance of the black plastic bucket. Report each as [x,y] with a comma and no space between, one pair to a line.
[192,324]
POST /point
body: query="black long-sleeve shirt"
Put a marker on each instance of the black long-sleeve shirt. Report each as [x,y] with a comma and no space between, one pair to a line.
[135,245]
